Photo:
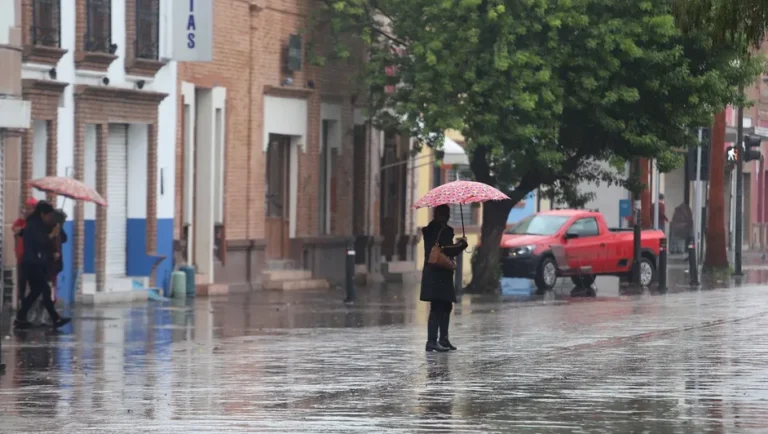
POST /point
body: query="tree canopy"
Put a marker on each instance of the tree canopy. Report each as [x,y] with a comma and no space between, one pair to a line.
[542,90]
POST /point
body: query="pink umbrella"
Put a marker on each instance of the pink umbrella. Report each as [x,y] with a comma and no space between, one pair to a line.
[68,187]
[460,192]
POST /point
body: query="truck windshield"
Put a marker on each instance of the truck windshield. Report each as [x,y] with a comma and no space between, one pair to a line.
[539,225]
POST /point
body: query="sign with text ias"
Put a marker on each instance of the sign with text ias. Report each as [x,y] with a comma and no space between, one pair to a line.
[192,30]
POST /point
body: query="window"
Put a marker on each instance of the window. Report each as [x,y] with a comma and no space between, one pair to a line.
[147,29]
[586,227]
[46,23]
[469,212]
[539,224]
[98,34]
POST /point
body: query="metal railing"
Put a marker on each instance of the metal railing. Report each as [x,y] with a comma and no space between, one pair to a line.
[46,23]
[98,34]
[147,43]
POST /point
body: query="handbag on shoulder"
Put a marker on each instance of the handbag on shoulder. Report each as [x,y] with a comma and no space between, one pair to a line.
[438,258]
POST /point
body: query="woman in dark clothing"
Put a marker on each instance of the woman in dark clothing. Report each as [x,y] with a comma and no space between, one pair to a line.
[437,282]
[39,235]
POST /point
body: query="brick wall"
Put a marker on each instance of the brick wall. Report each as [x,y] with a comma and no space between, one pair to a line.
[250,39]
[44,96]
[102,106]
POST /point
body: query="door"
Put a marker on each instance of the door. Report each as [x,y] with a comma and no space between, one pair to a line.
[117,197]
[587,249]
[277,196]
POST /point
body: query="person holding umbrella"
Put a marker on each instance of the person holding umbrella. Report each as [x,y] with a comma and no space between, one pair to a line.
[39,235]
[437,277]
[439,251]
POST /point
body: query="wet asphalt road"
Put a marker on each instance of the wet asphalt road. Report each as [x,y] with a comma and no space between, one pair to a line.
[685,362]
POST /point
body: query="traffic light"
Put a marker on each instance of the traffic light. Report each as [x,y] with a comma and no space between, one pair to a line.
[750,143]
[732,154]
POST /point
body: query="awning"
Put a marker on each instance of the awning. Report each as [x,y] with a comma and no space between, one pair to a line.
[454,153]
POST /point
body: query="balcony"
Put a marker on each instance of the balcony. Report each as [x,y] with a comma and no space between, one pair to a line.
[43,45]
[98,50]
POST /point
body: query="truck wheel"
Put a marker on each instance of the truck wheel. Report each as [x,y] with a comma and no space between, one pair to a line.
[647,272]
[546,275]
[584,280]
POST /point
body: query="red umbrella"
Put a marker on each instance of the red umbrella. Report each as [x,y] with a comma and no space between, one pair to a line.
[68,187]
[460,192]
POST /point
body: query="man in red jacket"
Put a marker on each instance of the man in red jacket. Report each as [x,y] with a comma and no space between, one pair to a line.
[18,228]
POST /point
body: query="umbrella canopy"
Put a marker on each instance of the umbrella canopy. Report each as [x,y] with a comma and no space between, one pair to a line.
[459,192]
[68,187]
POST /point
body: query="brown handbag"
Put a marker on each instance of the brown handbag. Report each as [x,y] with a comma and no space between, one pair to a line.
[438,258]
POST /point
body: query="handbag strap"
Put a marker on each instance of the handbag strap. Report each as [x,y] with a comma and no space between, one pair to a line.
[437,240]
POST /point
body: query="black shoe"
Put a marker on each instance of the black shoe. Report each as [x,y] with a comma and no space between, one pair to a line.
[21,324]
[434,346]
[61,322]
[447,344]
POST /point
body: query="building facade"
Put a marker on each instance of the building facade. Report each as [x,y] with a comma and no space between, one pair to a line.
[103,112]
[276,167]
[14,120]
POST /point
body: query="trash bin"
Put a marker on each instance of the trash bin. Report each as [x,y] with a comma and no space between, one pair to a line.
[189,271]
[179,284]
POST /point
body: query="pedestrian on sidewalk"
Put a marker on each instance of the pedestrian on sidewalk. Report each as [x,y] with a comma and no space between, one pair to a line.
[55,266]
[662,214]
[18,230]
[436,281]
[39,234]
[681,228]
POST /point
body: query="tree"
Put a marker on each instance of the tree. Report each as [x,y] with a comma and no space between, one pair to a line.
[541,90]
[734,27]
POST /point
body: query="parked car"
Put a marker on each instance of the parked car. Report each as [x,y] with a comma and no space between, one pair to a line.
[577,244]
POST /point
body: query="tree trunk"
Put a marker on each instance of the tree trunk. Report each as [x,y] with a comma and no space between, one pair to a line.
[646,206]
[486,263]
[716,255]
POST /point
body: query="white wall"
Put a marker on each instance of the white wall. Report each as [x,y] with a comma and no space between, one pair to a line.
[164,81]
[90,167]
[674,190]
[137,171]
[39,154]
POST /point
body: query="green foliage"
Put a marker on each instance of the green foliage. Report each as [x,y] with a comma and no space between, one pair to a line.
[544,91]
[541,88]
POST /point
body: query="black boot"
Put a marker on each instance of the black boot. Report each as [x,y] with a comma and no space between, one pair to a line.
[434,346]
[433,324]
[445,321]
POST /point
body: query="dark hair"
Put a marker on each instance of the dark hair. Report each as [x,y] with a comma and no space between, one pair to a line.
[442,210]
[43,207]
[60,216]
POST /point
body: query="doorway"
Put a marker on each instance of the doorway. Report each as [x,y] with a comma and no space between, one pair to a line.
[277,207]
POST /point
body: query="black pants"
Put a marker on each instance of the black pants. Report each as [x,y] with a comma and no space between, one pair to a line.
[21,285]
[439,319]
[37,276]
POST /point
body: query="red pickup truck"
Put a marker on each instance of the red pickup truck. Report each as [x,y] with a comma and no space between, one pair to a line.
[575,243]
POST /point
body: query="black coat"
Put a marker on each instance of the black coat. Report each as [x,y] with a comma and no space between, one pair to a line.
[436,282]
[37,242]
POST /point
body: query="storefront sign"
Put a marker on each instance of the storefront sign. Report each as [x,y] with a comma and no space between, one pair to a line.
[192,30]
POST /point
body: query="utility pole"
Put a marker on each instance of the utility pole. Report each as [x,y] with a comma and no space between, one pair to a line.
[697,236]
[738,228]
[635,270]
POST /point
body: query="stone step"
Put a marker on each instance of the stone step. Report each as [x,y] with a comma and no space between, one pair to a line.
[296,285]
[281,264]
[204,290]
[271,275]
[398,267]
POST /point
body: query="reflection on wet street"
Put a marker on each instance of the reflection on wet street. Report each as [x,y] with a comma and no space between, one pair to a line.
[685,362]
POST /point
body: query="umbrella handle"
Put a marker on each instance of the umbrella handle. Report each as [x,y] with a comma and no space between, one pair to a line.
[461,212]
